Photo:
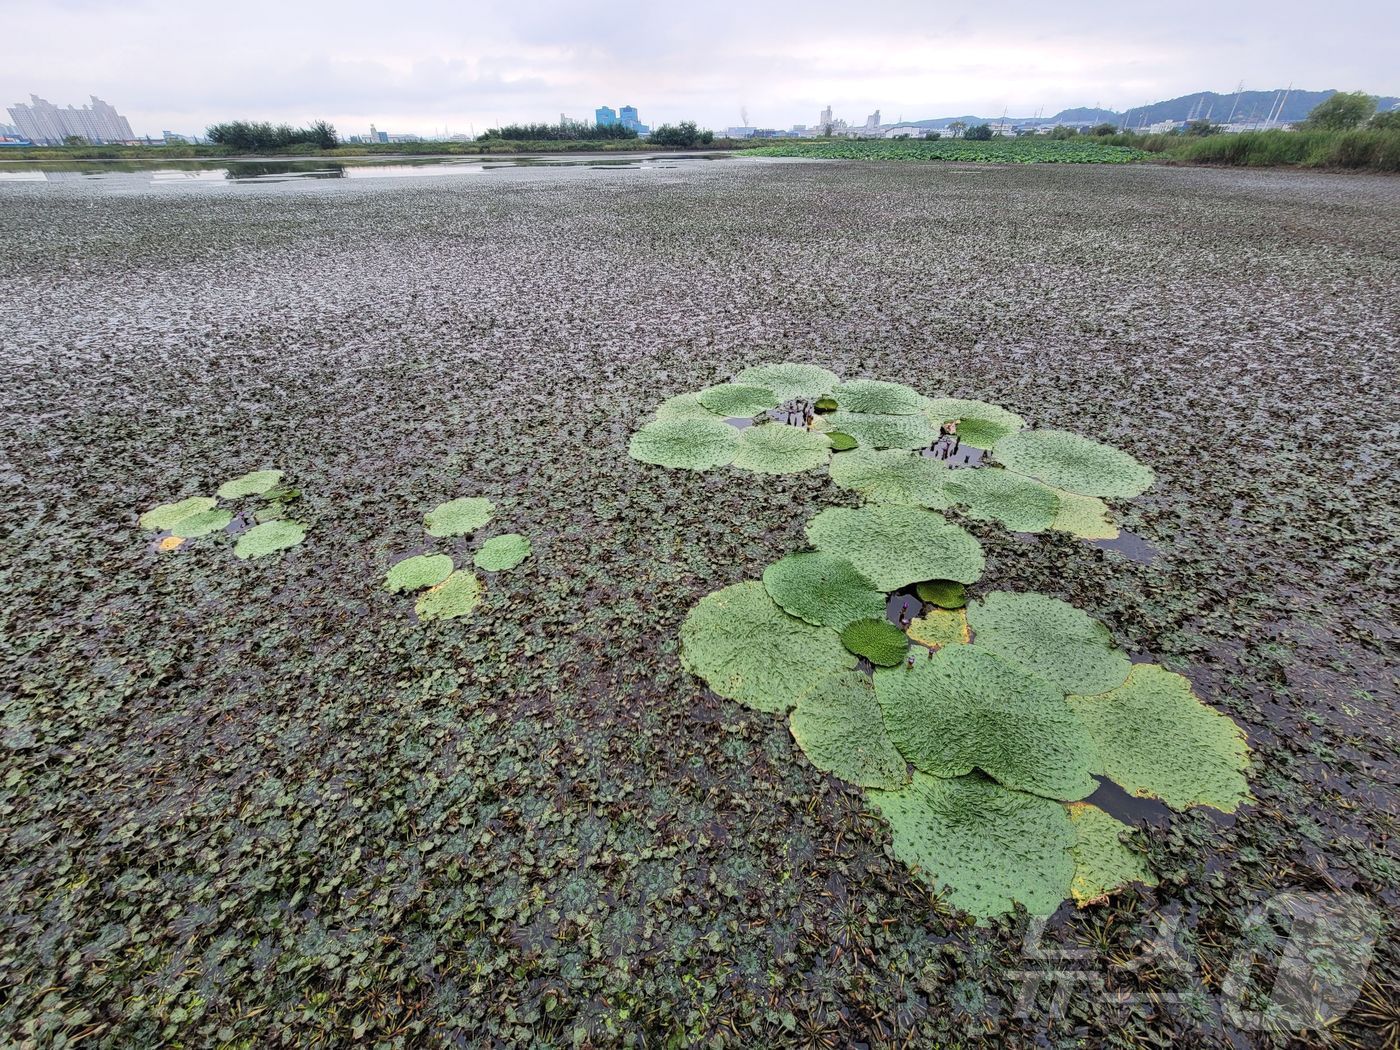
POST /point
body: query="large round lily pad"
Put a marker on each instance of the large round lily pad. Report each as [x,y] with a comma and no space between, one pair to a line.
[1051,638]
[879,641]
[790,381]
[737,399]
[269,537]
[822,589]
[1069,461]
[839,726]
[979,423]
[685,406]
[690,444]
[774,448]
[940,627]
[201,524]
[1155,738]
[460,516]
[747,649]
[894,546]
[1084,516]
[967,709]
[417,572]
[1102,863]
[894,476]
[876,395]
[885,431]
[254,483]
[1020,503]
[502,552]
[455,596]
[169,514]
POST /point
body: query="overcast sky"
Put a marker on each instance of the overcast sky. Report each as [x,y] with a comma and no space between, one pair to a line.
[422,65]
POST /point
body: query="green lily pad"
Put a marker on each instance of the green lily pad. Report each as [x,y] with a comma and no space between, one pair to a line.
[1102,864]
[777,449]
[1020,503]
[879,641]
[885,431]
[269,538]
[825,404]
[966,709]
[986,847]
[502,552]
[737,399]
[839,727]
[459,516]
[254,483]
[201,524]
[946,594]
[895,476]
[1084,516]
[841,442]
[790,381]
[455,596]
[1068,461]
[689,444]
[685,406]
[979,423]
[878,396]
[168,515]
[939,628]
[417,572]
[1156,739]
[1051,638]
[749,650]
[893,546]
[822,589]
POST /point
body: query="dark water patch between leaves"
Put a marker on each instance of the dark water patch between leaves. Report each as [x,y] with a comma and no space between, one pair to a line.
[1131,546]
[903,607]
[1130,809]
[951,450]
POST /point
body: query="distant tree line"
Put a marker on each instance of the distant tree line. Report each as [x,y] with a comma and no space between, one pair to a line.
[569,131]
[249,135]
[684,135]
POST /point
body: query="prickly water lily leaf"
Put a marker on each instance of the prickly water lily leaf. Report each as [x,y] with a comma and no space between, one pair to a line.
[822,589]
[979,423]
[1068,461]
[879,641]
[1156,739]
[790,381]
[777,449]
[167,515]
[690,444]
[459,516]
[967,709]
[839,727]
[747,649]
[895,476]
[1064,645]
[946,594]
[502,552]
[268,538]
[201,524]
[885,431]
[986,847]
[841,442]
[417,572]
[1102,864]
[939,628]
[737,399]
[455,596]
[893,546]
[1020,503]
[878,396]
[685,406]
[254,483]
[1084,516]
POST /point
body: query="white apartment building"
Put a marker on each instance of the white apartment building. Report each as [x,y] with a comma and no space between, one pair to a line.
[42,122]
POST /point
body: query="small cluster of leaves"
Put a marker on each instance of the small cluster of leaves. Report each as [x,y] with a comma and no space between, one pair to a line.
[197,516]
[449,592]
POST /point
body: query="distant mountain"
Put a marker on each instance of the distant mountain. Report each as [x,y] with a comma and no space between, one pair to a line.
[1203,105]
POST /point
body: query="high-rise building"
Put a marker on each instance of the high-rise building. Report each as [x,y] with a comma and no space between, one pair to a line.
[825,118]
[627,117]
[606,115]
[41,121]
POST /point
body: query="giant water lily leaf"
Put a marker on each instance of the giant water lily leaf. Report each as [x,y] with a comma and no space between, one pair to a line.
[1020,503]
[685,406]
[986,847]
[417,572]
[502,552]
[1068,461]
[878,396]
[790,381]
[979,423]
[879,641]
[839,727]
[1102,864]
[459,516]
[690,444]
[1084,516]
[201,524]
[885,431]
[1156,739]
[822,589]
[967,709]
[455,596]
[254,483]
[747,649]
[1062,644]
[737,399]
[268,538]
[777,449]
[940,627]
[168,515]
[893,546]
[946,594]
[895,476]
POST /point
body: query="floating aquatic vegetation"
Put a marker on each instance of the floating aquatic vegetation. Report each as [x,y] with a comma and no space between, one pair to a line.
[454,597]
[894,476]
[1020,503]
[747,649]
[201,524]
[946,594]
[169,515]
[459,516]
[170,543]
[1051,638]
[977,423]
[940,627]
[690,444]
[885,431]
[822,589]
[1083,516]
[1157,739]
[841,442]
[417,572]
[269,538]
[502,552]
[879,641]
[737,399]
[789,381]
[254,483]
[1102,863]
[1069,461]
[685,406]
[838,725]
[894,546]
[777,449]
[879,397]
